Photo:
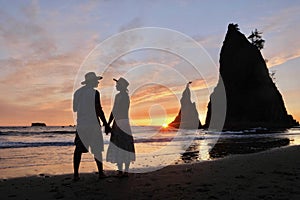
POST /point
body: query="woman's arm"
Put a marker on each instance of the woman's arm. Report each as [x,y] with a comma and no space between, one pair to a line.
[111,118]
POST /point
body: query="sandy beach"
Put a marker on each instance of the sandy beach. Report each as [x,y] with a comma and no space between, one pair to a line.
[273,174]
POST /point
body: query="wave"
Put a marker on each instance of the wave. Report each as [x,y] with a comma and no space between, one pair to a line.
[33,144]
[34,133]
[65,137]
[5,145]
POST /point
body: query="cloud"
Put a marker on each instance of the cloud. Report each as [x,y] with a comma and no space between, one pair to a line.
[156,77]
[89,6]
[281,32]
[31,10]
[210,41]
[151,93]
[55,114]
[282,57]
[27,77]
[134,23]
[39,66]
[281,20]
[24,39]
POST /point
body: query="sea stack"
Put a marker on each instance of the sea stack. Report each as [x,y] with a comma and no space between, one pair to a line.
[187,117]
[253,99]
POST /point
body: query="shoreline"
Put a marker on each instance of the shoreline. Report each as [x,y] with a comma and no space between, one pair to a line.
[50,168]
[271,174]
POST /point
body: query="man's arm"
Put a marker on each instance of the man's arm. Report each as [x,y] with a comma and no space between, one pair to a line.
[98,108]
[75,102]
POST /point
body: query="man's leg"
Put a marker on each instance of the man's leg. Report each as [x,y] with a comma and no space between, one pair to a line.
[99,166]
[76,163]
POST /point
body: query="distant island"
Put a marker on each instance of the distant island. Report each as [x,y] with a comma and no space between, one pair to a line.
[38,124]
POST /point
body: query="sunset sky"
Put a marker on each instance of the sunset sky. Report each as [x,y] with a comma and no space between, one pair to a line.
[45,46]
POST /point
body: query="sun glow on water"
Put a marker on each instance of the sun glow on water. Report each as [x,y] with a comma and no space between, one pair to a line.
[164,125]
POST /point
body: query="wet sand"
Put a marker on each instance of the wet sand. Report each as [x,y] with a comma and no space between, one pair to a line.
[273,174]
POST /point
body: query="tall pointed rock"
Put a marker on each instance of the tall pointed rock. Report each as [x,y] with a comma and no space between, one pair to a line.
[187,117]
[253,100]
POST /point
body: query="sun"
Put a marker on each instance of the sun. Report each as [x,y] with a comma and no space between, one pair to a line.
[164,125]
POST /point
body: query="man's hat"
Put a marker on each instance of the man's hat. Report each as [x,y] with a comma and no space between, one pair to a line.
[89,77]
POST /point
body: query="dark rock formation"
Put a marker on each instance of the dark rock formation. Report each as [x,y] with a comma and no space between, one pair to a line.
[231,146]
[252,98]
[187,117]
[38,124]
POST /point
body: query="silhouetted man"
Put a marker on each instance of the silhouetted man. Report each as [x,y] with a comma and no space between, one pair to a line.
[89,138]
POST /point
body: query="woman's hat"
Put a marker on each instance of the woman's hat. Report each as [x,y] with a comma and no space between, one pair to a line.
[90,77]
[122,81]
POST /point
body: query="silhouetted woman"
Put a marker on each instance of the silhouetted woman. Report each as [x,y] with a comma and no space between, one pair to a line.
[121,147]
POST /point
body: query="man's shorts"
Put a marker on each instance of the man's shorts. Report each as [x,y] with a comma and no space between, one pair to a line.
[79,145]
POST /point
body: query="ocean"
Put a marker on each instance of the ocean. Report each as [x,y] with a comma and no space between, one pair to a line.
[30,150]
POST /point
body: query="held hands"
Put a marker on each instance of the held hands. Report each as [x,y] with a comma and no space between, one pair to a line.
[107,129]
[107,125]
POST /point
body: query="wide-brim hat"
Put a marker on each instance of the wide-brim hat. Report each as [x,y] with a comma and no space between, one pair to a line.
[91,77]
[122,81]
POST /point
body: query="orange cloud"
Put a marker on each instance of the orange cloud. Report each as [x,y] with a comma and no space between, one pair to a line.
[283,57]
[12,115]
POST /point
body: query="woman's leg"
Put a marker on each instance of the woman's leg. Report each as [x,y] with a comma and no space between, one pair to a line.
[120,168]
[127,164]
[126,169]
